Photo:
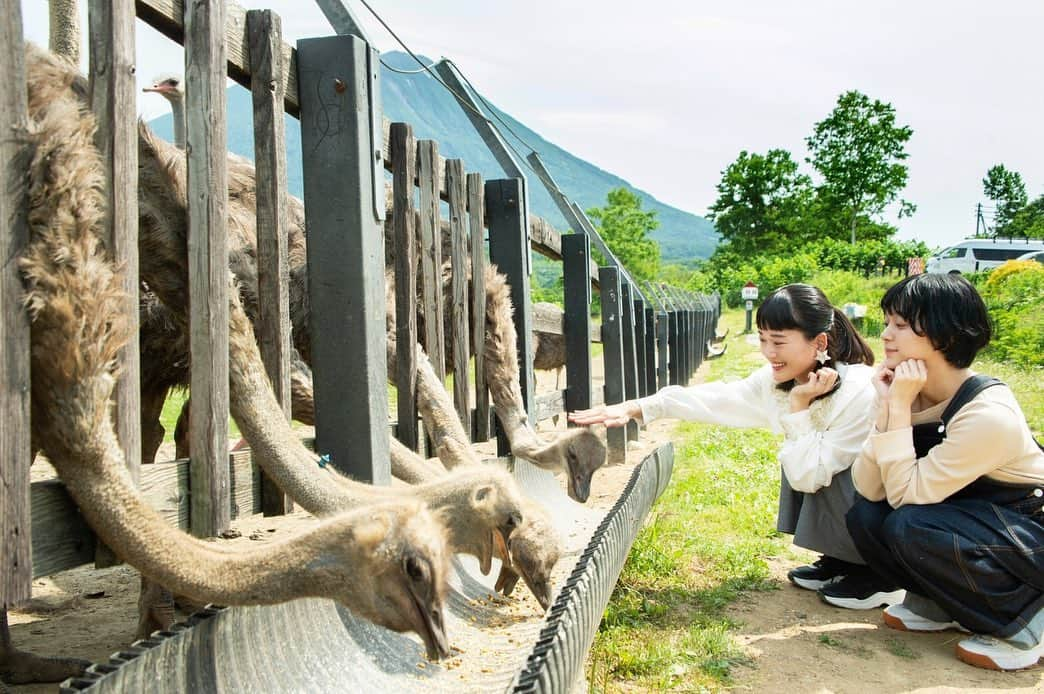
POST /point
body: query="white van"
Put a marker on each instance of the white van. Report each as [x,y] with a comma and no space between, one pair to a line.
[979,254]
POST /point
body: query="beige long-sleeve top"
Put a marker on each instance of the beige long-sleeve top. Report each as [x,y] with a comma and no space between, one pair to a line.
[818,442]
[987,437]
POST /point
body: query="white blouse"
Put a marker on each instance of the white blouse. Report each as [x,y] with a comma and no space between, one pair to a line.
[818,442]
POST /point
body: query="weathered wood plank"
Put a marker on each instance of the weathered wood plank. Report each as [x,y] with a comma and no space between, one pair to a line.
[63,540]
[264,29]
[431,254]
[549,404]
[15,525]
[112,96]
[548,320]
[111,31]
[477,239]
[404,236]
[403,158]
[208,262]
[345,256]
[456,184]
[61,537]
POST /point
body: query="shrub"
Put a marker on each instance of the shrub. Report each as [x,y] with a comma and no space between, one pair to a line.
[1014,295]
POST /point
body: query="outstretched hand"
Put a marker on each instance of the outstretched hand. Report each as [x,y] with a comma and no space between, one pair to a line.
[609,415]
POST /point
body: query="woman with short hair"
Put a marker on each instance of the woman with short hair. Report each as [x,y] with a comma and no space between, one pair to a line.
[951,482]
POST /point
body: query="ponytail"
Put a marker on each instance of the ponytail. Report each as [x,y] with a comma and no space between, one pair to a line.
[846,344]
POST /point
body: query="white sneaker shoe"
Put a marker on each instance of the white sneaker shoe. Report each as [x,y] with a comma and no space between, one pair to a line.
[997,654]
[900,617]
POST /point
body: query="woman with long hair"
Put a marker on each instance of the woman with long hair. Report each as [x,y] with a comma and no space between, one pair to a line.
[815,390]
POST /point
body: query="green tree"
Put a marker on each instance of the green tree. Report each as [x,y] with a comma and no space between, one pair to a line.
[625,228]
[859,152]
[1028,222]
[760,201]
[1007,190]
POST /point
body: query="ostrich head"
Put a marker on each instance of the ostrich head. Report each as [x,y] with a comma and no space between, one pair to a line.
[389,564]
[170,87]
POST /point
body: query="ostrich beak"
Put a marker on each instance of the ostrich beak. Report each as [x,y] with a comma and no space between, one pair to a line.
[506,580]
[503,534]
[541,590]
[432,631]
[579,486]
[157,89]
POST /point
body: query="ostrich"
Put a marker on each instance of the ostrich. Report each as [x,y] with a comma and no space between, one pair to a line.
[577,453]
[170,88]
[387,562]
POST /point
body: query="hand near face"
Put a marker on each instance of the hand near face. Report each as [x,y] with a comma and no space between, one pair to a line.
[609,415]
[910,377]
[882,381]
[819,383]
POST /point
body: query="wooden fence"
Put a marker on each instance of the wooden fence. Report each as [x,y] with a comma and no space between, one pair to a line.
[651,336]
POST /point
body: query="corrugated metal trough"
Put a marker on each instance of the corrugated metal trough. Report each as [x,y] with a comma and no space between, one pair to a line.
[317,646]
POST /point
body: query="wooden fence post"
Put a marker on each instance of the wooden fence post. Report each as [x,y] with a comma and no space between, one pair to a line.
[612,356]
[650,349]
[265,37]
[15,451]
[338,86]
[576,277]
[111,31]
[630,352]
[456,189]
[431,254]
[404,235]
[207,154]
[639,344]
[476,232]
[509,251]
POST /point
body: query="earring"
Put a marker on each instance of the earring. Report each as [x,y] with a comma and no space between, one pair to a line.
[821,356]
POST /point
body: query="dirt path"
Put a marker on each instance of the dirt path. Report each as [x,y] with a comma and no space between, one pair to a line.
[800,644]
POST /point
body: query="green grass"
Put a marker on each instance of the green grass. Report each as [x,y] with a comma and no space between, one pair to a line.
[707,541]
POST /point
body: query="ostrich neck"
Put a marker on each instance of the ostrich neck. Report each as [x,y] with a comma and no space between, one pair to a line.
[97,480]
[64,34]
[177,109]
[261,420]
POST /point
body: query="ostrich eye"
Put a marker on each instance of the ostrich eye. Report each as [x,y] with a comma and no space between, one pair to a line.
[414,569]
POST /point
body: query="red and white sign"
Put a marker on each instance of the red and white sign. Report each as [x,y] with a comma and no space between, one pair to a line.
[749,291]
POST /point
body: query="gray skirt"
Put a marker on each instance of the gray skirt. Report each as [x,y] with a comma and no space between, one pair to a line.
[817,521]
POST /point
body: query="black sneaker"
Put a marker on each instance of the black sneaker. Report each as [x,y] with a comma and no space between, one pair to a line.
[861,590]
[820,573]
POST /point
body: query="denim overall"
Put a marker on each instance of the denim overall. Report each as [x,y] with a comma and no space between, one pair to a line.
[978,554]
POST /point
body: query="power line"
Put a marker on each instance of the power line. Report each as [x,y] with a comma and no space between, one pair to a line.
[463,101]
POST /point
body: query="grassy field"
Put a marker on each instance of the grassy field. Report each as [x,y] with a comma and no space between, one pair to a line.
[707,540]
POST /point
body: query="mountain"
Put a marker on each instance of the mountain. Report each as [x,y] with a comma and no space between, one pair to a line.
[434,114]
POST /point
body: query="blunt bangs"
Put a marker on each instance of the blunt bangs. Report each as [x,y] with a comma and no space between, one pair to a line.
[945,308]
[777,313]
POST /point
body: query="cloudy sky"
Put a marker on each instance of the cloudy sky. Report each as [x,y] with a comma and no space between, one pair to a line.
[666,93]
